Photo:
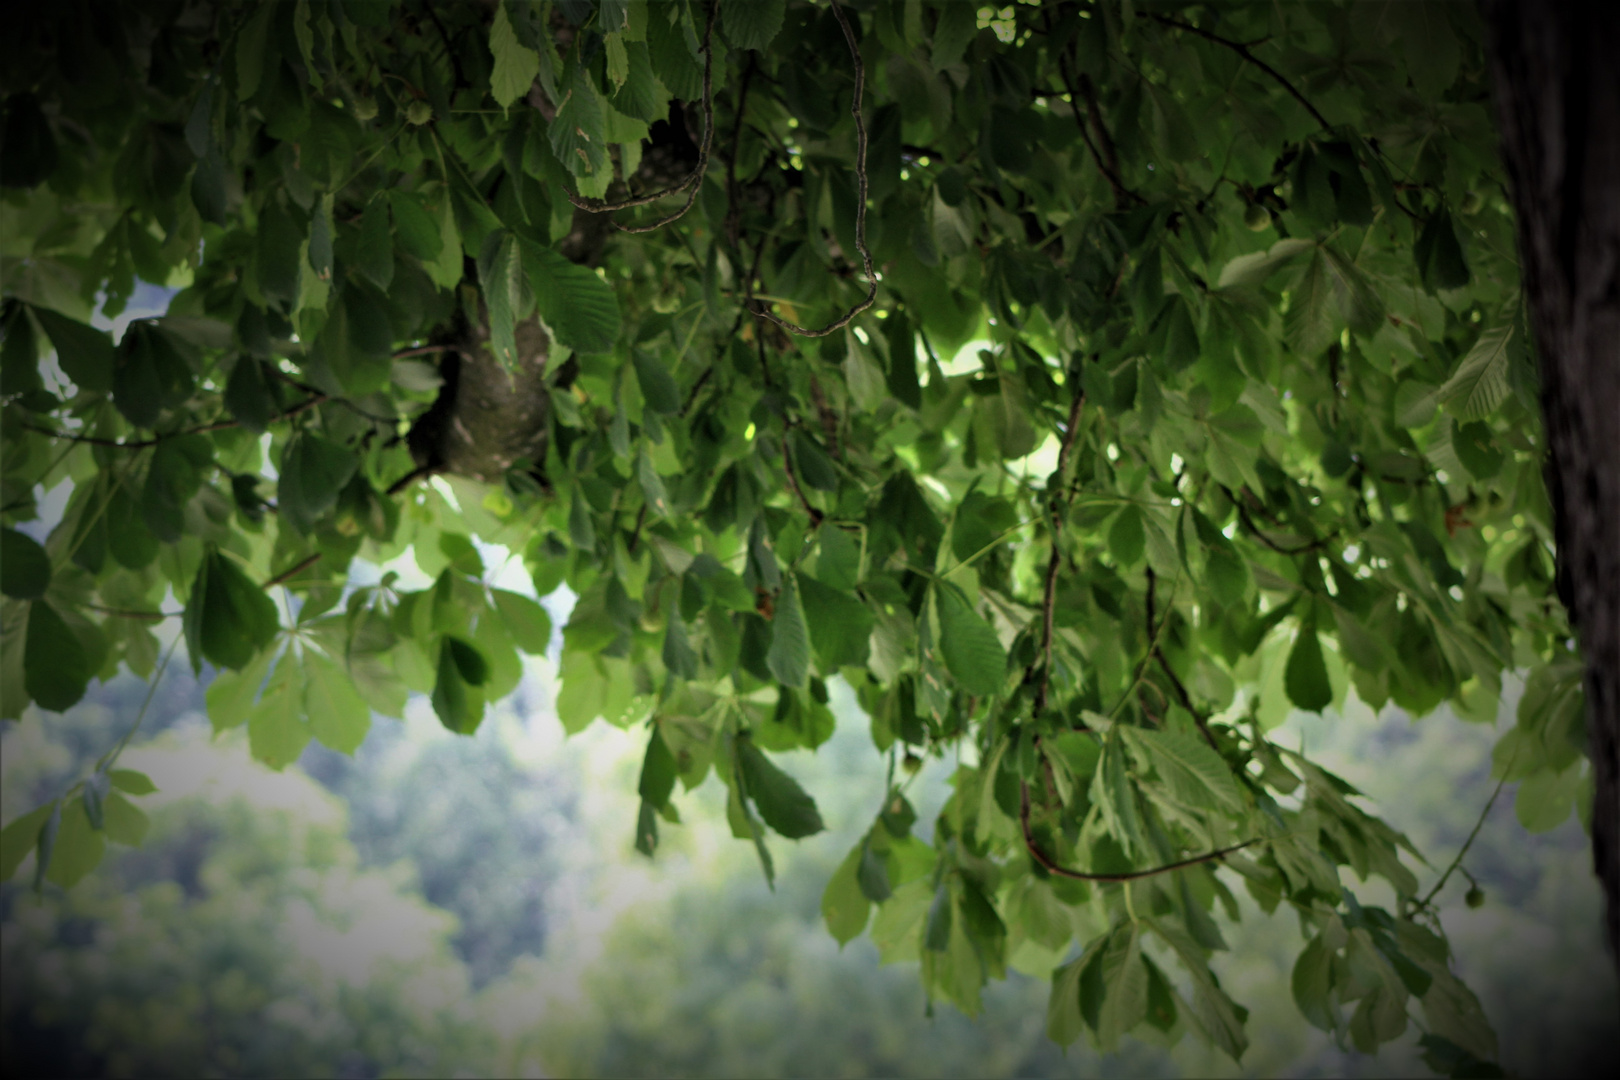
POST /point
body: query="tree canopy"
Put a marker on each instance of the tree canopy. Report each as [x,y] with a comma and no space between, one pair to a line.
[1085,384]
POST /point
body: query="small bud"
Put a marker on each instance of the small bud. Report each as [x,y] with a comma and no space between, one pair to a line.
[365,108]
[911,763]
[1256,217]
[1475,897]
[419,113]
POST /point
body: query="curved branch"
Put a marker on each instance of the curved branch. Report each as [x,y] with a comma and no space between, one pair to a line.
[1051,865]
[694,179]
[860,201]
[1049,592]
[293,571]
[1243,50]
[142,444]
[793,482]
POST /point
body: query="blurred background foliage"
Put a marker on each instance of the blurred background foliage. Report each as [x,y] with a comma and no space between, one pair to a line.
[448,906]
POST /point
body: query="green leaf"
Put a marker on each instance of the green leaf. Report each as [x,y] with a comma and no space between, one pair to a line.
[1480,382]
[25,569]
[278,730]
[1113,794]
[1312,984]
[673,60]
[840,624]
[1545,799]
[374,252]
[515,65]
[232,694]
[56,664]
[973,653]
[937,934]
[1305,678]
[124,822]
[873,875]
[414,227]
[21,837]
[150,375]
[1195,774]
[314,470]
[679,658]
[980,521]
[1125,983]
[1127,538]
[338,716]
[578,133]
[658,771]
[1064,1022]
[1308,325]
[500,275]
[752,24]
[844,906]
[250,396]
[1439,255]
[281,242]
[78,848]
[815,469]
[526,621]
[789,655]
[84,353]
[228,617]
[784,805]
[578,307]
[131,781]
[658,387]
[458,705]
[1256,268]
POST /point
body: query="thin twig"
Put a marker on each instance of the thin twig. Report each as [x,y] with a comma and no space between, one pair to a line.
[1053,867]
[293,571]
[793,482]
[1457,862]
[860,200]
[142,444]
[694,180]
[1071,432]
[410,478]
[1243,50]
[732,216]
[423,350]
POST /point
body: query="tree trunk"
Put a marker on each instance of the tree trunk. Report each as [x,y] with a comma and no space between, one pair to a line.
[1557,92]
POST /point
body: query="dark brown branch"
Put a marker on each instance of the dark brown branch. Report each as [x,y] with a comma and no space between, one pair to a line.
[410,478]
[860,200]
[694,179]
[141,616]
[1053,867]
[1071,432]
[142,444]
[423,350]
[732,215]
[1107,165]
[793,482]
[293,571]
[1243,50]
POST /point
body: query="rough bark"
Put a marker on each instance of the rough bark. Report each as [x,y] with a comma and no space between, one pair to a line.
[1557,92]
[485,420]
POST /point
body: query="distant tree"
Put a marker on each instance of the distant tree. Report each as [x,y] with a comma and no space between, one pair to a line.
[1085,385]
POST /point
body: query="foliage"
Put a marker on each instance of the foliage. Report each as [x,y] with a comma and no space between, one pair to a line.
[1168,372]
